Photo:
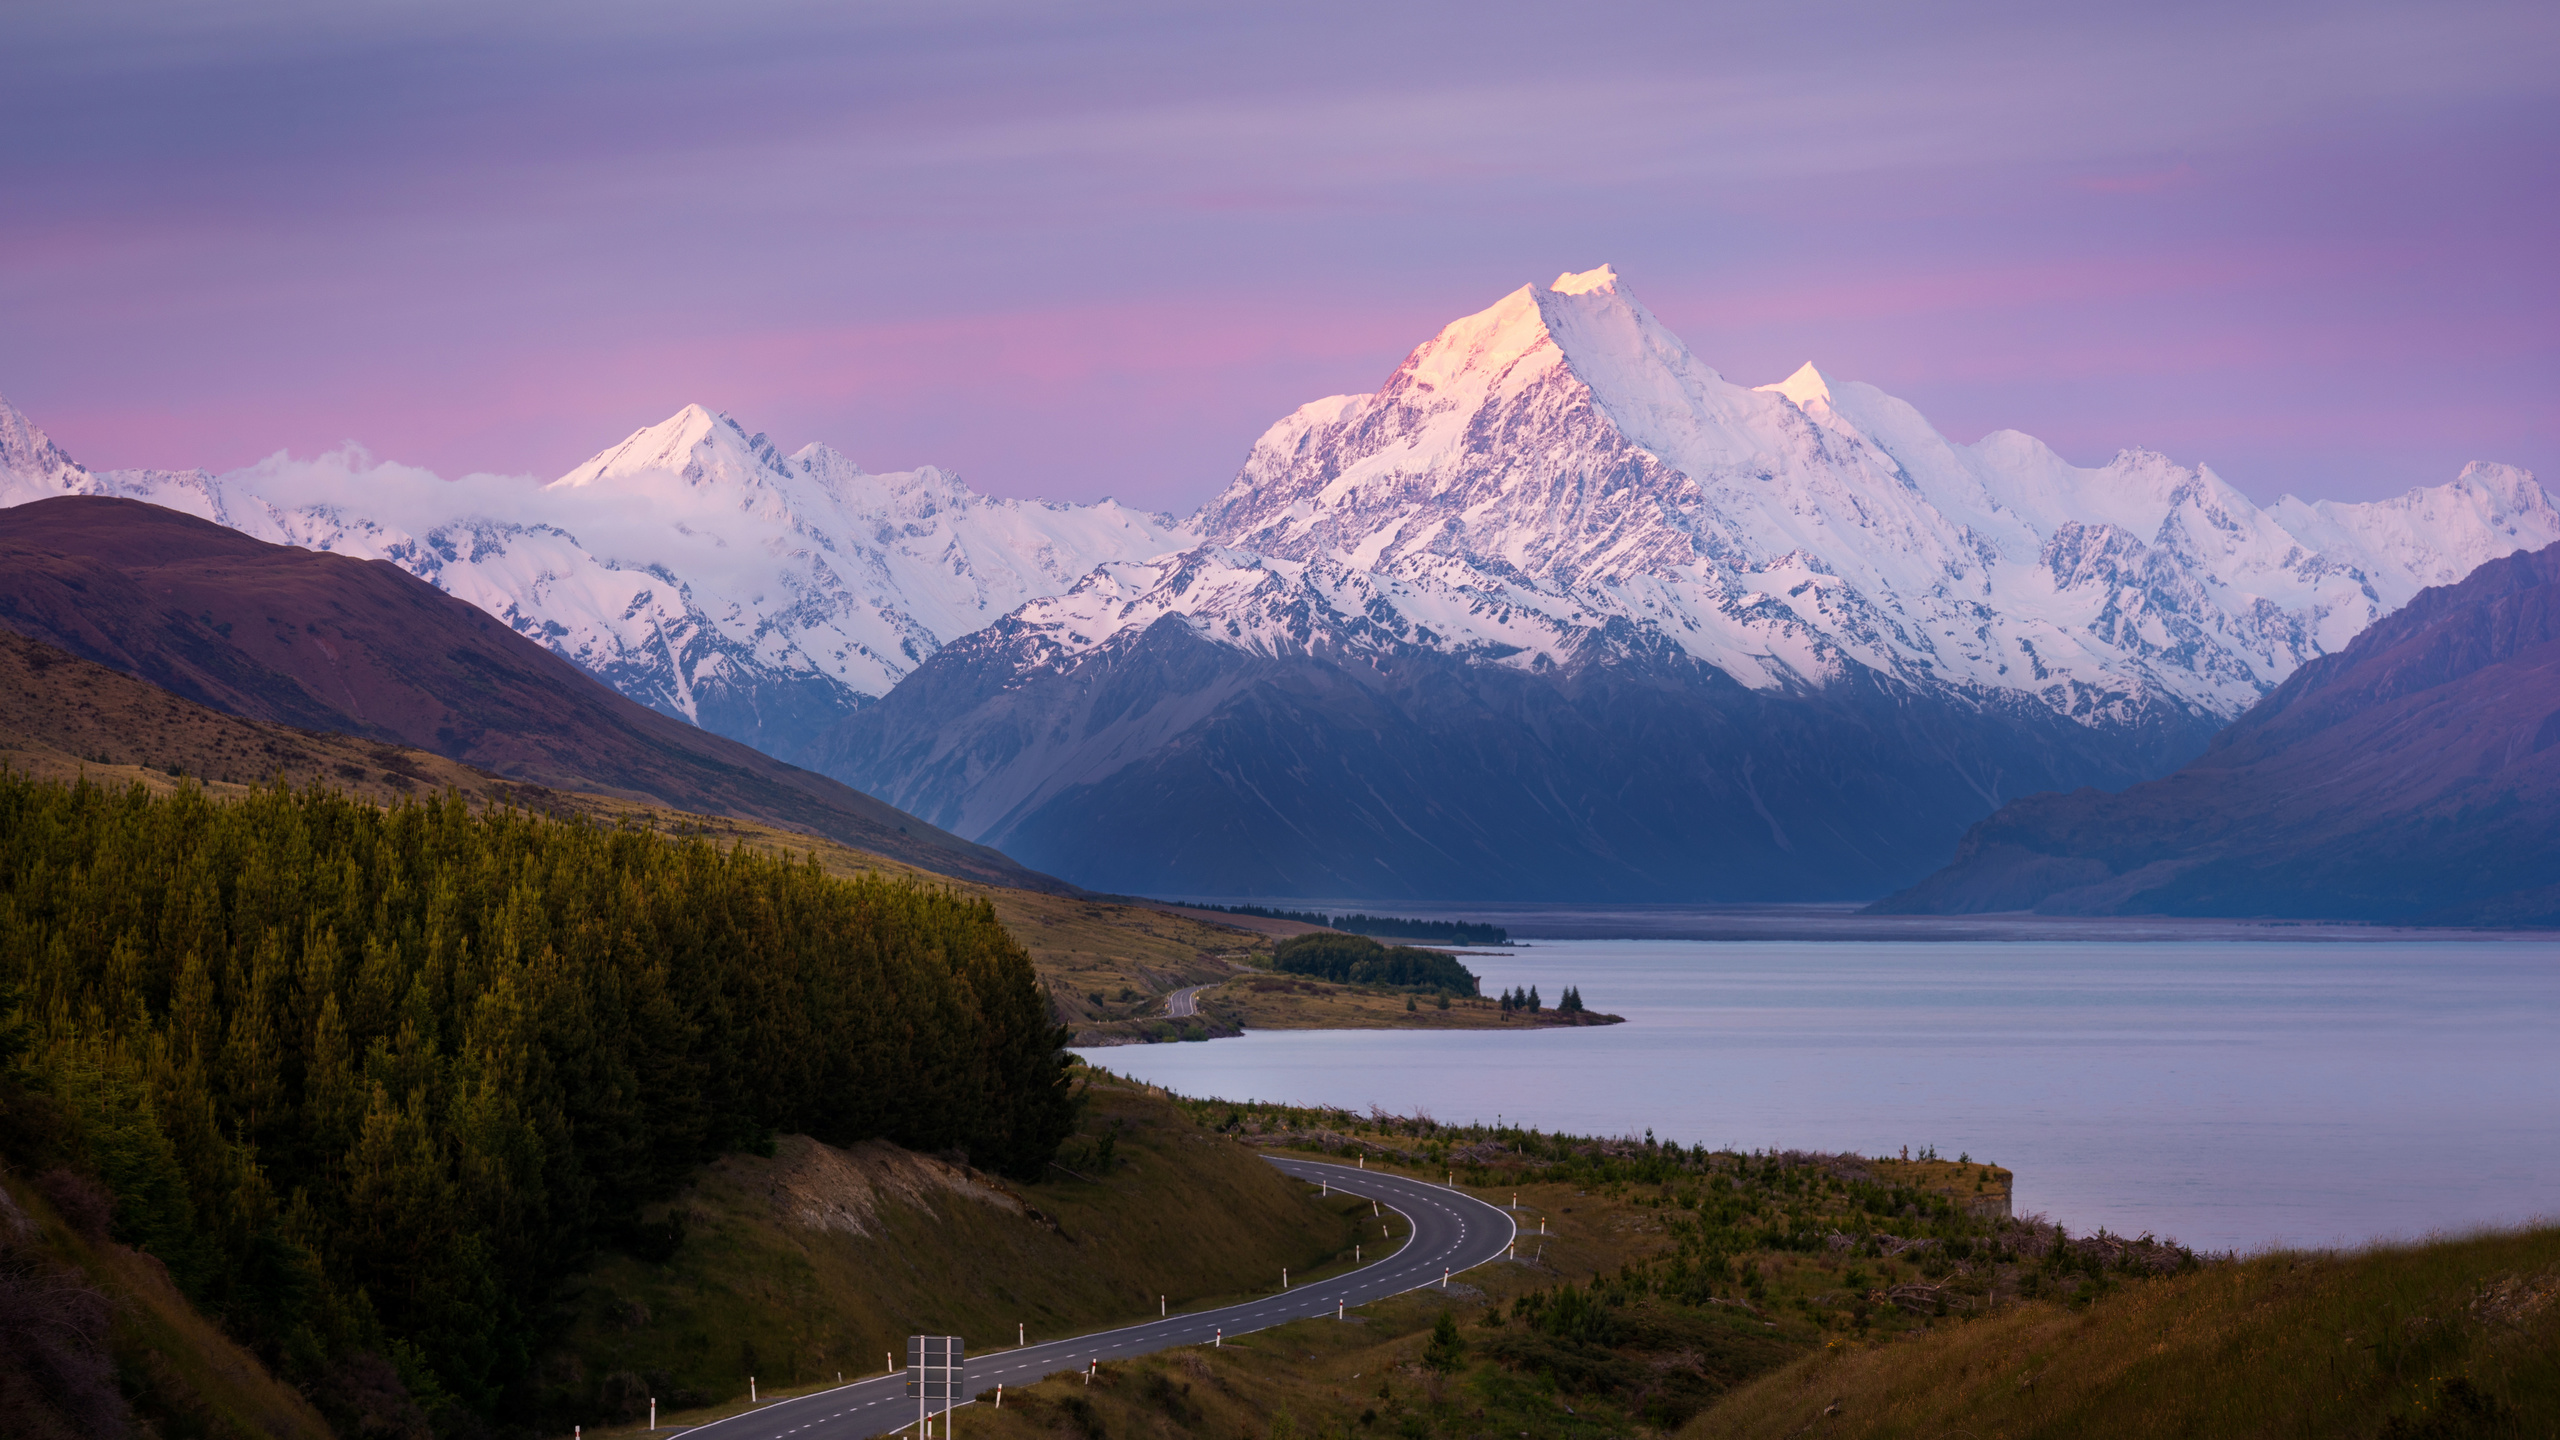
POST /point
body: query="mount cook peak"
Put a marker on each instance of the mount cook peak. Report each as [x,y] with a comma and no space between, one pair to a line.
[1558,610]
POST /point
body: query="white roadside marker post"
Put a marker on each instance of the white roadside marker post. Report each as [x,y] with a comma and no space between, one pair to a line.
[1019,1335]
[1337,1307]
[751,1390]
[1284,1277]
[999,1394]
[653,1412]
[1219,1343]
[1161,1311]
[1444,1277]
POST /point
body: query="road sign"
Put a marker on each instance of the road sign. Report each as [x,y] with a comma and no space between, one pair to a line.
[934,1370]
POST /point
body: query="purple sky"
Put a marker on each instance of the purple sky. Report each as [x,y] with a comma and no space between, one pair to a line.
[1075,250]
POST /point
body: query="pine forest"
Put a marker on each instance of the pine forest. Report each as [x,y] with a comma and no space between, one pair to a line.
[373,1082]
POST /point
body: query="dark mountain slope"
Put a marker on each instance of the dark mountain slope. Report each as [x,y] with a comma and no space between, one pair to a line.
[325,642]
[2413,776]
[1162,762]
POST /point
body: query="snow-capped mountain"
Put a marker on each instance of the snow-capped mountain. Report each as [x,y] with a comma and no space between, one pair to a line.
[1557,484]
[1557,610]
[1561,461]
[694,566]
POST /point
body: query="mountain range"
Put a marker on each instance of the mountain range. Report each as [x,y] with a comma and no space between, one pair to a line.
[694,567]
[2413,777]
[1558,611]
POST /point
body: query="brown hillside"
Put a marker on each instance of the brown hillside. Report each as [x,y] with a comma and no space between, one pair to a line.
[325,642]
[62,718]
[2412,777]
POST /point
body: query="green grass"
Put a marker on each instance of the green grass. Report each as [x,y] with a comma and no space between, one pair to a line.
[183,1376]
[2370,1343]
[1180,1212]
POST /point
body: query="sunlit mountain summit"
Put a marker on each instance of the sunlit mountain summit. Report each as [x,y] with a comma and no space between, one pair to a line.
[1557,605]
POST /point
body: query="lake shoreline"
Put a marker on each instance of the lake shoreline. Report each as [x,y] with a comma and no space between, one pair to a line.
[2238,1093]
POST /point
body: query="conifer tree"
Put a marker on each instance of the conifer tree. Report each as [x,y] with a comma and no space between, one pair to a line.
[369,1078]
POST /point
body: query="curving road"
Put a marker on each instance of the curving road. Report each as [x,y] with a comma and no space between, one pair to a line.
[1451,1232]
[1186,1001]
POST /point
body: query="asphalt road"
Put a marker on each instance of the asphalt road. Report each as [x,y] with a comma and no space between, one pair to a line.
[1185,1001]
[1450,1233]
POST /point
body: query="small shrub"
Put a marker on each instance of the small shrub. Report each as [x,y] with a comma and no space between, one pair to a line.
[1446,1351]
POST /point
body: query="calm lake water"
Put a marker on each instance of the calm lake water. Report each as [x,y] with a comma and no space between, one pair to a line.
[2229,1093]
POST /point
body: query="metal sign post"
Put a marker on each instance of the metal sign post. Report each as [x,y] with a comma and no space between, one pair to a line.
[935,1365]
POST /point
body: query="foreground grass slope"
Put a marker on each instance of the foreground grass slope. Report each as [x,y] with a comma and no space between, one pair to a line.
[2448,1341]
[2455,1338]
[1649,1307]
[95,1337]
[814,1261]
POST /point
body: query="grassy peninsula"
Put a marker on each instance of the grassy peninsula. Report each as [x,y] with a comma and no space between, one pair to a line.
[1329,980]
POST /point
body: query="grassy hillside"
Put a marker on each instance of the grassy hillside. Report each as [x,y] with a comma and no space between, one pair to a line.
[1108,965]
[815,1260]
[2454,1338]
[95,1340]
[1902,1321]
[330,642]
[63,718]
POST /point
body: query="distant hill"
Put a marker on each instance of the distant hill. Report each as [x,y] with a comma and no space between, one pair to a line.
[329,643]
[2412,777]
[63,718]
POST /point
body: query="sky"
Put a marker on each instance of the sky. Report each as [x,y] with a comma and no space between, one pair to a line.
[1088,250]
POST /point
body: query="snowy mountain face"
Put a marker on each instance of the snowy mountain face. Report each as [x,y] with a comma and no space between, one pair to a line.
[1560,466]
[694,567]
[1560,611]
